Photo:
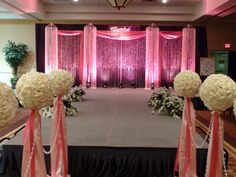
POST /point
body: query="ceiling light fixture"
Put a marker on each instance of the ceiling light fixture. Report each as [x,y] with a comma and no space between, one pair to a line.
[119,3]
[75,0]
[164,1]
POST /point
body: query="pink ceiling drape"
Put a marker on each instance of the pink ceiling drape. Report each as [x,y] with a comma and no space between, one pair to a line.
[129,35]
[153,70]
[90,42]
[188,49]
[51,48]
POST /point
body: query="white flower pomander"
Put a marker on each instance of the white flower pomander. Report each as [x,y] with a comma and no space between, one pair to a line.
[218,92]
[187,83]
[34,90]
[62,81]
[8,104]
[235,108]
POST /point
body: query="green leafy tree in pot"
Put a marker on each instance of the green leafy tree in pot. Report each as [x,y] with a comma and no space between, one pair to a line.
[15,54]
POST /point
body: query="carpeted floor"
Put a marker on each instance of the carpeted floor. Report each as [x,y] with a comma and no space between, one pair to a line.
[119,118]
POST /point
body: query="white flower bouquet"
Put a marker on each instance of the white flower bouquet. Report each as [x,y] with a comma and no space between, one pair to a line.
[218,92]
[157,98]
[174,106]
[77,93]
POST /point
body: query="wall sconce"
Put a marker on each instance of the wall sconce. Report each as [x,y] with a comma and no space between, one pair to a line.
[88,84]
[120,85]
[105,85]
[133,85]
[152,86]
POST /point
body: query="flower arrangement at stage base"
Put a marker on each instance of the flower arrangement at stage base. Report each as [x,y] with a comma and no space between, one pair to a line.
[34,90]
[163,99]
[174,106]
[8,104]
[187,83]
[218,92]
[157,97]
[77,93]
[62,81]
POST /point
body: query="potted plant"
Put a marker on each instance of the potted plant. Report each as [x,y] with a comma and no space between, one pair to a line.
[15,54]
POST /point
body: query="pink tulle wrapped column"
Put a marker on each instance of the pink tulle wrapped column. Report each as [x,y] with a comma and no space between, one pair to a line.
[153,69]
[59,154]
[90,70]
[33,163]
[215,151]
[51,48]
[186,154]
[188,49]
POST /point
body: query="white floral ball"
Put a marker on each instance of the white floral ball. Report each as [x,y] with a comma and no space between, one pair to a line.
[8,104]
[34,90]
[218,92]
[187,83]
[62,81]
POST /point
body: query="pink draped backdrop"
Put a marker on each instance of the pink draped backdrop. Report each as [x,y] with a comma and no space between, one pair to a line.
[113,56]
[170,56]
[120,61]
[69,53]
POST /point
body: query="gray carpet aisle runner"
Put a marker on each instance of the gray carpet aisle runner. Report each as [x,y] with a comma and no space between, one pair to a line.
[116,117]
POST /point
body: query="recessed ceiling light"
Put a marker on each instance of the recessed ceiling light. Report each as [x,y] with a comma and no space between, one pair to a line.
[75,0]
[164,1]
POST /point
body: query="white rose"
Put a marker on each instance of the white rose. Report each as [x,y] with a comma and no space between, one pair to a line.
[62,81]
[8,104]
[218,92]
[187,83]
[34,90]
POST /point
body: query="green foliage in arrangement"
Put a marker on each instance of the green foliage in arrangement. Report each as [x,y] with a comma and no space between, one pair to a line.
[164,99]
[15,55]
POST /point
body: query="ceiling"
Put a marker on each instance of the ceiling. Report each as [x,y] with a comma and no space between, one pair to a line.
[137,10]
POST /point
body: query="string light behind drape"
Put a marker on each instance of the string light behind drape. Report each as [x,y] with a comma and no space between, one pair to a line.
[152,73]
[51,48]
[90,70]
[188,49]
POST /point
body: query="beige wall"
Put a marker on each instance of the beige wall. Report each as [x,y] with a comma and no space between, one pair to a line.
[24,33]
[219,33]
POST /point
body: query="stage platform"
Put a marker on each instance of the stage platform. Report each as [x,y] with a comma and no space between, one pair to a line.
[113,134]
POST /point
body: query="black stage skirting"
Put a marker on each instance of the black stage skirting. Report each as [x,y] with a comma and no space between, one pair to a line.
[107,161]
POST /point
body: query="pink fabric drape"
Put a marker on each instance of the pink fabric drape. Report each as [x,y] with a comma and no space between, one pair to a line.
[215,150]
[70,50]
[120,61]
[51,47]
[188,49]
[153,69]
[90,70]
[33,162]
[129,35]
[170,55]
[186,153]
[59,156]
